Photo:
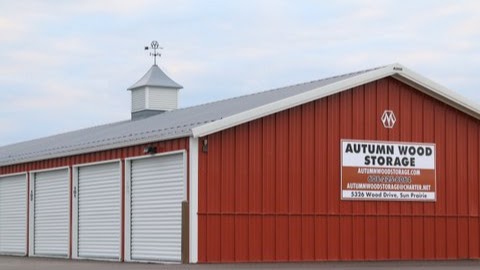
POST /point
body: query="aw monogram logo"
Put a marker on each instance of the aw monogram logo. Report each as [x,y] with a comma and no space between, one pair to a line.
[388,119]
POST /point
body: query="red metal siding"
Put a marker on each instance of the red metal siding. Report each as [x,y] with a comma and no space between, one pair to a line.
[269,189]
[120,153]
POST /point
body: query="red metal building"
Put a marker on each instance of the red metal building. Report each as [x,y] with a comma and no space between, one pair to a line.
[269,189]
[264,173]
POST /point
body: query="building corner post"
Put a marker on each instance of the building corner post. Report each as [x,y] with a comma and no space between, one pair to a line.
[193,199]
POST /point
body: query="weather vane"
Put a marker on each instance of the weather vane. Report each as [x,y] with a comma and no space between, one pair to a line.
[154,46]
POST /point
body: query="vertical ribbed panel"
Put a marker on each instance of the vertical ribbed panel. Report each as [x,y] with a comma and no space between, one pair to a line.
[157,190]
[162,99]
[99,211]
[269,189]
[51,233]
[13,211]
[138,100]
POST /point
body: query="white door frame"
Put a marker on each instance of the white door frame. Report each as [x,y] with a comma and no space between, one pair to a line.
[128,199]
[26,213]
[74,195]
[31,214]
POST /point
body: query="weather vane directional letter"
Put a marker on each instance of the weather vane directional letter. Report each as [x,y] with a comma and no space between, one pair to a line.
[154,46]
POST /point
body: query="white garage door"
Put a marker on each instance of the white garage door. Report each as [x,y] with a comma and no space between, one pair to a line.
[13,214]
[99,211]
[157,191]
[51,213]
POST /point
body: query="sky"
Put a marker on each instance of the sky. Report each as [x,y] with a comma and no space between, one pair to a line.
[66,65]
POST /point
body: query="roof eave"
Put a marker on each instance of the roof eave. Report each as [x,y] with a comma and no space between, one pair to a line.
[159,86]
[105,147]
[438,92]
[396,70]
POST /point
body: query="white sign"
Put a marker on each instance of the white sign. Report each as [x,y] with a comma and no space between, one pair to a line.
[373,170]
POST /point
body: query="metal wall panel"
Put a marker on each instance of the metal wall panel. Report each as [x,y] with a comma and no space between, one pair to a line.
[130,151]
[51,208]
[119,153]
[138,100]
[269,189]
[157,190]
[13,214]
[162,99]
[99,205]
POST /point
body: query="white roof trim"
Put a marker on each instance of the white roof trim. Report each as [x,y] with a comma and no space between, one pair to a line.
[398,71]
[438,91]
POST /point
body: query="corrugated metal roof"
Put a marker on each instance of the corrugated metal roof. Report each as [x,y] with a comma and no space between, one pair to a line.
[168,125]
[155,77]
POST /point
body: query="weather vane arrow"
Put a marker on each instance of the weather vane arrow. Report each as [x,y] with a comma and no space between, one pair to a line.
[154,46]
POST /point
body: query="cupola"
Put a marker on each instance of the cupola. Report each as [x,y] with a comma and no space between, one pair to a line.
[155,92]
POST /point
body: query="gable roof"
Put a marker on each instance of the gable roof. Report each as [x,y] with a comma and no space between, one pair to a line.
[212,117]
[397,71]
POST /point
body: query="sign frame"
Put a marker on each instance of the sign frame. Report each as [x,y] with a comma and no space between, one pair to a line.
[425,200]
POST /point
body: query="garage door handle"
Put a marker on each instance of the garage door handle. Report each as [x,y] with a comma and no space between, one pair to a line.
[74,192]
[31,195]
